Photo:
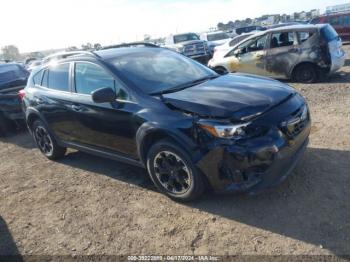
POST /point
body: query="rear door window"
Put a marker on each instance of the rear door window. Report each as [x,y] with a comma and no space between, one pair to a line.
[304,36]
[282,39]
[37,78]
[58,77]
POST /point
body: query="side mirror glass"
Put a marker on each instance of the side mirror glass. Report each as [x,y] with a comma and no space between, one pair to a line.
[104,95]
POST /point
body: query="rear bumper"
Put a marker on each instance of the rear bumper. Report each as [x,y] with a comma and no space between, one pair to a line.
[255,165]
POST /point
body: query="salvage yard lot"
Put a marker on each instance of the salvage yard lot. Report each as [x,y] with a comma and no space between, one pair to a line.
[88,205]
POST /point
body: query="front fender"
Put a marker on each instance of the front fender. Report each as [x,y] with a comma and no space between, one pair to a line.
[182,138]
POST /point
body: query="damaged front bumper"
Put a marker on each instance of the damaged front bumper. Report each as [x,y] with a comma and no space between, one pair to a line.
[256,164]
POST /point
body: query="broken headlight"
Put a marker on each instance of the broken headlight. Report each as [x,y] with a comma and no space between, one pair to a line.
[222,130]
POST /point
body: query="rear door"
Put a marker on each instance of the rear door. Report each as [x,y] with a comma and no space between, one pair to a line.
[53,100]
[109,126]
[282,53]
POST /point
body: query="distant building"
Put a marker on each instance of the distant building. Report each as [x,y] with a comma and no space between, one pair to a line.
[266,20]
[338,8]
[315,13]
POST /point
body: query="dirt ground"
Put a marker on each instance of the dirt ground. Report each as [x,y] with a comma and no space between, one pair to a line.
[89,205]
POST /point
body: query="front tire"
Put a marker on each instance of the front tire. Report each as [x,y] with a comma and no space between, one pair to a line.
[173,172]
[221,70]
[46,142]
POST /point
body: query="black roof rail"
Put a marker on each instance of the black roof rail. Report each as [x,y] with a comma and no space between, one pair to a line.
[130,45]
[83,52]
[66,54]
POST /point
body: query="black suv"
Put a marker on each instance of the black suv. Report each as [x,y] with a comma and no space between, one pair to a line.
[152,107]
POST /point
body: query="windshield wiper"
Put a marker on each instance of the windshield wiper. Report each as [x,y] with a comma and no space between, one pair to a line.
[185,85]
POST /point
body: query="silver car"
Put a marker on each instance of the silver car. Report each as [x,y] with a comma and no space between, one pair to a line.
[303,53]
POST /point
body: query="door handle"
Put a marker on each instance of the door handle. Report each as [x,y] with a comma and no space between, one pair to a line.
[259,56]
[77,108]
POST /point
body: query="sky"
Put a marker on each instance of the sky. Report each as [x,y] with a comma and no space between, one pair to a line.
[34,25]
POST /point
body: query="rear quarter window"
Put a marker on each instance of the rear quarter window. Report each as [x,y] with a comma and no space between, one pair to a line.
[303,36]
[37,78]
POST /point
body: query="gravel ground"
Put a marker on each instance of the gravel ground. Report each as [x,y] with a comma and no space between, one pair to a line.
[89,205]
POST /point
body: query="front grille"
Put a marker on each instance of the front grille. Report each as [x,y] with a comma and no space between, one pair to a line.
[194,49]
[293,126]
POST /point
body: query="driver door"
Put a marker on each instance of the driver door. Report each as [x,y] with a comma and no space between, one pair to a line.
[108,126]
[249,57]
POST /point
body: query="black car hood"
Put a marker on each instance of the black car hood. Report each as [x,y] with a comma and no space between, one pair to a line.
[234,96]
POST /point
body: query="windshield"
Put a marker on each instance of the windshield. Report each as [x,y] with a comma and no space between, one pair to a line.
[155,70]
[218,36]
[238,39]
[185,37]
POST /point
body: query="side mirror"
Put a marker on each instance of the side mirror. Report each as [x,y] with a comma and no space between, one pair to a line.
[238,52]
[104,95]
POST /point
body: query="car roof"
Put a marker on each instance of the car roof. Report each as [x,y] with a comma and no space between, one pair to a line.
[296,27]
[115,52]
[107,54]
[286,28]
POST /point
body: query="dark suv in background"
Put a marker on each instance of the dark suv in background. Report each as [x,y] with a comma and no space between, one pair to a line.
[340,22]
[13,78]
[154,108]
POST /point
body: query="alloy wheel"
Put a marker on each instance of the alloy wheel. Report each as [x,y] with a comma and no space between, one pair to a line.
[43,140]
[172,172]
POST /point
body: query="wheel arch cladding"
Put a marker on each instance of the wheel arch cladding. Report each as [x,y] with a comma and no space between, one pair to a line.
[148,135]
[31,118]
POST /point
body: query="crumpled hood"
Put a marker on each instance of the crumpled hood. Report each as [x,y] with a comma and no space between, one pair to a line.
[235,96]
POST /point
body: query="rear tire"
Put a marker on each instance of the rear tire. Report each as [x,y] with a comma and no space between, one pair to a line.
[220,70]
[306,73]
[173,172]
[46,141]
